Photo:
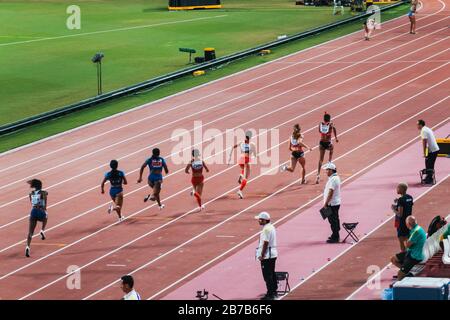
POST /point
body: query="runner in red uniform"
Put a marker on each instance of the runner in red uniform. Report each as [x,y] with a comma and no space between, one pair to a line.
[326,128]
[197,166]
[247,150]
[296,146]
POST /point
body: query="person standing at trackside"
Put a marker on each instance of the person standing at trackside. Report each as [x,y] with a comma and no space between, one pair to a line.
[412,16]
[413,255]
[332,199]
[127,287]
[402,210]
[267,254]
[428,141]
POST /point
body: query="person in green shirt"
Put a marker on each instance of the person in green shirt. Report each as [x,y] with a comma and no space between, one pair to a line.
[446,234]
[405,261]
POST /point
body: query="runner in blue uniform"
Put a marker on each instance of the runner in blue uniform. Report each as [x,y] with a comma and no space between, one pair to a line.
[38,199]
[117,179]
[155,164]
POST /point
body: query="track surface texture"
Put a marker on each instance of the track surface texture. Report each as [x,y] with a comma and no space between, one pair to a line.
[375,91]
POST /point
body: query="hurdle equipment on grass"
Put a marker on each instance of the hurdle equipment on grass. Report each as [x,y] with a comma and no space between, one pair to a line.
[188,50]
[194,4]
[210,54]
[265,52]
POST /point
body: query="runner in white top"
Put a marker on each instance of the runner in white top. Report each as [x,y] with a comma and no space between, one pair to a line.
[247,151]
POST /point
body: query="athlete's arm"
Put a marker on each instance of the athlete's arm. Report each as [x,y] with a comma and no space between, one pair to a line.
[125,181]
[304,145]
[165,167]
[142,171]
[335,134]
[204,166]
[44,196]
[231,153]
[103,185]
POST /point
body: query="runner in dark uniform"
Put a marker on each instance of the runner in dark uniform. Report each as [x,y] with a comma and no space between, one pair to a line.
[326,128]
[38,199]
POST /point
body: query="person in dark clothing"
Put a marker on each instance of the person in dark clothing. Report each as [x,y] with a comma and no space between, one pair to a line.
[402,210]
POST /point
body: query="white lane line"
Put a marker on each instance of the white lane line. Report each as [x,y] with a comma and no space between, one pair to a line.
[330,102]
[213,82]
[306,131]
[230,218]
[230,114]
[110,30]
[277,222]
[204,97]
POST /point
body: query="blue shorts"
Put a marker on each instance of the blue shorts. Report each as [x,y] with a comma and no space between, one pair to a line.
[154,177]
[114,191]
[411,14]
[38,214]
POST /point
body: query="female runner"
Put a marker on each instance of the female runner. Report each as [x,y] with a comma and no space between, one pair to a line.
[197,166]
[38,199]
[296,146]
[116,178]
[325,129]
[247,150]
[155,164]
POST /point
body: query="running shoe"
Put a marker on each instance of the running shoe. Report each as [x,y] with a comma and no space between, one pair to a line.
[192,192]
[111,208]
[27,252]
[240,194]
[146,198]
[42,234]
[121,218]
[318,179]
[162,206]
[201,208]
[283,168]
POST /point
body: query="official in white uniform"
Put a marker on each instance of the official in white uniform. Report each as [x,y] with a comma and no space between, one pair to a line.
[332,199]
[428,141]
[267,254]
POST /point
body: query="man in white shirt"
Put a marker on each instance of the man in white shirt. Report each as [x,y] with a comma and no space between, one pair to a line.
[267,254]
[127,288]
[428,141]
[332,199]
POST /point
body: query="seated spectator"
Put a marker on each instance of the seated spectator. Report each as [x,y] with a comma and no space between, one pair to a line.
[405,261]
[446,234]
[402,210]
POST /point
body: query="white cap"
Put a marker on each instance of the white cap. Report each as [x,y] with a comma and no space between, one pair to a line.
[263,215]
[329,165]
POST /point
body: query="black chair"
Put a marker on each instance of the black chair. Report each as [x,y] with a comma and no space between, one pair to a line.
[350,227]
[283,276]
[423,176]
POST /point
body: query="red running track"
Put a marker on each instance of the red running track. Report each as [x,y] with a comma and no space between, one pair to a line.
[368,87]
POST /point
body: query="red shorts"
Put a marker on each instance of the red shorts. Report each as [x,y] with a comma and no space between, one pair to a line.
[197,180]
[244,159]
